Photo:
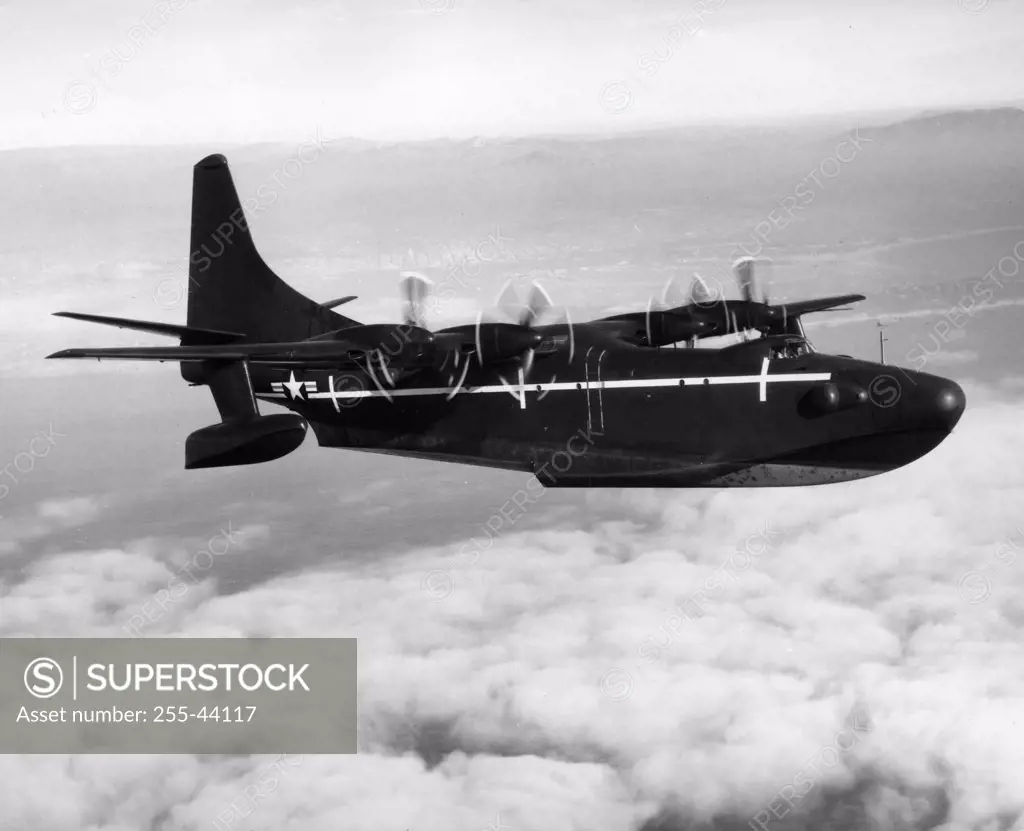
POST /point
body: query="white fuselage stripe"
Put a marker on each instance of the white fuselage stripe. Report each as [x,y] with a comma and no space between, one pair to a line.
[761,381]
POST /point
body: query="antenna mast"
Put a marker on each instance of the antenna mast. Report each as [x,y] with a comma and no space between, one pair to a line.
[882,341]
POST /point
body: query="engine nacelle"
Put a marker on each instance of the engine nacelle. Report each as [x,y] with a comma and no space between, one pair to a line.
[497,341]
[672,327]
[245,441]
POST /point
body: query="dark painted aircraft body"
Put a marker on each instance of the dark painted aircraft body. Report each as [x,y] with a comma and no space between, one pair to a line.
[578,404]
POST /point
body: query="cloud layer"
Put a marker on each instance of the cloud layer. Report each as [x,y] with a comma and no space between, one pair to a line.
[777,659]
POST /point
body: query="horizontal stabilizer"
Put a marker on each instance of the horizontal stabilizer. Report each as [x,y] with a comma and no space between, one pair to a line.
[190,335]
[821,304]
[341,301]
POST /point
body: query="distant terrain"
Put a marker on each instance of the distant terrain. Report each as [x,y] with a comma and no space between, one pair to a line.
[910,213]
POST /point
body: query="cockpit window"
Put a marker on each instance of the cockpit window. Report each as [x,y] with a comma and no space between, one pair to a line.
[790,349]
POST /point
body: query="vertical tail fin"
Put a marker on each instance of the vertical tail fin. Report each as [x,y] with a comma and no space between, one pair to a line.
[230,287]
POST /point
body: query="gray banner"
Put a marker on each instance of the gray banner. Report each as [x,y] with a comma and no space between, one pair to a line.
[178,695]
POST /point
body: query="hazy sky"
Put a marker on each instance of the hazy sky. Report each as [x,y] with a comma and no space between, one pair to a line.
[241,70]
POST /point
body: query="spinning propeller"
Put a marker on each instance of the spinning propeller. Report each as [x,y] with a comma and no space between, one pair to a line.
[525,315]
[744,271]
[781,318]
[491,341]
[676,315]
[703,311]
[416,288]
[701,294]
[760,314]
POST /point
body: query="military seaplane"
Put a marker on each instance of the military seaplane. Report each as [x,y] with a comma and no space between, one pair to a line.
[596,403]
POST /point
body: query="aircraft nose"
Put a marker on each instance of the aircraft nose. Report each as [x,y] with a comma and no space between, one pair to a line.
[928,402]
[950,403]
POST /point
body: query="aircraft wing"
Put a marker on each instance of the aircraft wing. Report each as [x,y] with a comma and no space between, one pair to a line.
[348,345]
[821,304]
[305,353]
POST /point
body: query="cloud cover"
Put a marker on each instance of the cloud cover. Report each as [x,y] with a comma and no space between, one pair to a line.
[847,655]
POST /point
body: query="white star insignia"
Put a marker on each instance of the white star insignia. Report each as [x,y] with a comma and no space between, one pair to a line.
[294,387]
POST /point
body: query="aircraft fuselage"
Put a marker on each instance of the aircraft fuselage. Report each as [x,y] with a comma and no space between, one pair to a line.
[618,415]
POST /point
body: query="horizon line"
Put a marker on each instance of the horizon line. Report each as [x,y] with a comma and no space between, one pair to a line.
[795,120]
